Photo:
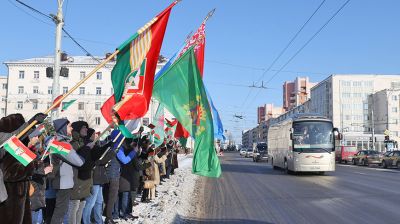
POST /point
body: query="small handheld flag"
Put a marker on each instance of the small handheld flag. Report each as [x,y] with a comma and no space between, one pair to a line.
[19,151]
[57,147]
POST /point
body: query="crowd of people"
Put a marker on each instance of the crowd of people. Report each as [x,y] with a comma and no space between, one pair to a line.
[95,179]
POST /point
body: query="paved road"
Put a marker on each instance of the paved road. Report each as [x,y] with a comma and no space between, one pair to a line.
[251,192]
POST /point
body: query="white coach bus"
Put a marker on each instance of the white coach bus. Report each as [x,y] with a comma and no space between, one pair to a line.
[303,143]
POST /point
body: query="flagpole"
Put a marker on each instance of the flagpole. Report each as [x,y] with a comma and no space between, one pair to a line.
[69,92]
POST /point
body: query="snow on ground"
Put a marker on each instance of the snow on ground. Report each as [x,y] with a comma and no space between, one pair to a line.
[174,197]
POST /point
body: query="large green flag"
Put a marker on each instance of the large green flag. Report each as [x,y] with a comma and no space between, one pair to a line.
[158,122]
[181,90]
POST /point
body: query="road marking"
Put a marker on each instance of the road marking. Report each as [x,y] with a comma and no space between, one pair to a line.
[370,168]
[360,173]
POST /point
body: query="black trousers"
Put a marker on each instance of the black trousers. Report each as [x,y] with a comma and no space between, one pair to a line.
[110,196]
[49,210]
[61,208]
[145,194]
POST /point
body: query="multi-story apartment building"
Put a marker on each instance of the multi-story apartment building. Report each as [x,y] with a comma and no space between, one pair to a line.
[3,95]
[344,99]
[268,111]
[297,92]
[384,108]
[30,91]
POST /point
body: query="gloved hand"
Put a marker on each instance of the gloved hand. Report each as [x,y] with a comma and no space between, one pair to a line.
[39,117]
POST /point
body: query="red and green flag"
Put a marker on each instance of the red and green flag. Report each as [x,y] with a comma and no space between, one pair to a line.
[133,74]
[181,90]
[57,147]
[19,151]
[158,131]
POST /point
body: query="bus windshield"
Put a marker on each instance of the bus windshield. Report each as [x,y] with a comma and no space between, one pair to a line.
[312,136]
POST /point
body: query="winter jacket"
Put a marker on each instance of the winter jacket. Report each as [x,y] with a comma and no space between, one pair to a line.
[174,159]
[3,138]
[149,170]
[100,176]
[158,161]
[113,168]
[39,184]
[83,176]
[62,176]
[126,178]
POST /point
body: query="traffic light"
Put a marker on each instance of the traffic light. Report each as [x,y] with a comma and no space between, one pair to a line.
[64,72]
[49,72]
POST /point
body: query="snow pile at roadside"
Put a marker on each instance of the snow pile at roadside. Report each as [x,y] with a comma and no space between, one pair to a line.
[174,197]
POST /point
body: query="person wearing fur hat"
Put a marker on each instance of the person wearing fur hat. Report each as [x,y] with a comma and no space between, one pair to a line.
[14,187]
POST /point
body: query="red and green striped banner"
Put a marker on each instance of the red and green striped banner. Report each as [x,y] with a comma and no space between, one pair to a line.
[19,151]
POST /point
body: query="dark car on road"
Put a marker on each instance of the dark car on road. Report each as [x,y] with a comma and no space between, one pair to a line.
[260,152]
[391,159]
[367,157]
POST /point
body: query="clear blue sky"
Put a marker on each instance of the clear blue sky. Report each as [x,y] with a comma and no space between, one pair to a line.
[363,38]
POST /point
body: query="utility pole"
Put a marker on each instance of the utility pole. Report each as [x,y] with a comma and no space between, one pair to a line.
[373,129]
[59,21]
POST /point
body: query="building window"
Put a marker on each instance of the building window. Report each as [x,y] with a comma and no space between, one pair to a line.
[97,120]
[4,86]
[20,105]
[21,75]
[81,90]
[65,89]
[36,74]
[97,106]
[3,111]
[99,75]
[36,89]
[394,109]
[81,106]
[34,105]
[98,90]
[357,83]
[49,104]
[20,89]
[346,95]
[80,118]
[50,90]
[394,98]
[346,83]
[83,75]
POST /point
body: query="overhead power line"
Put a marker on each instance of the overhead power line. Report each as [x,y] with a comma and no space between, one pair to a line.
[309,40]
[284,49]
[315,34]
[64,30]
